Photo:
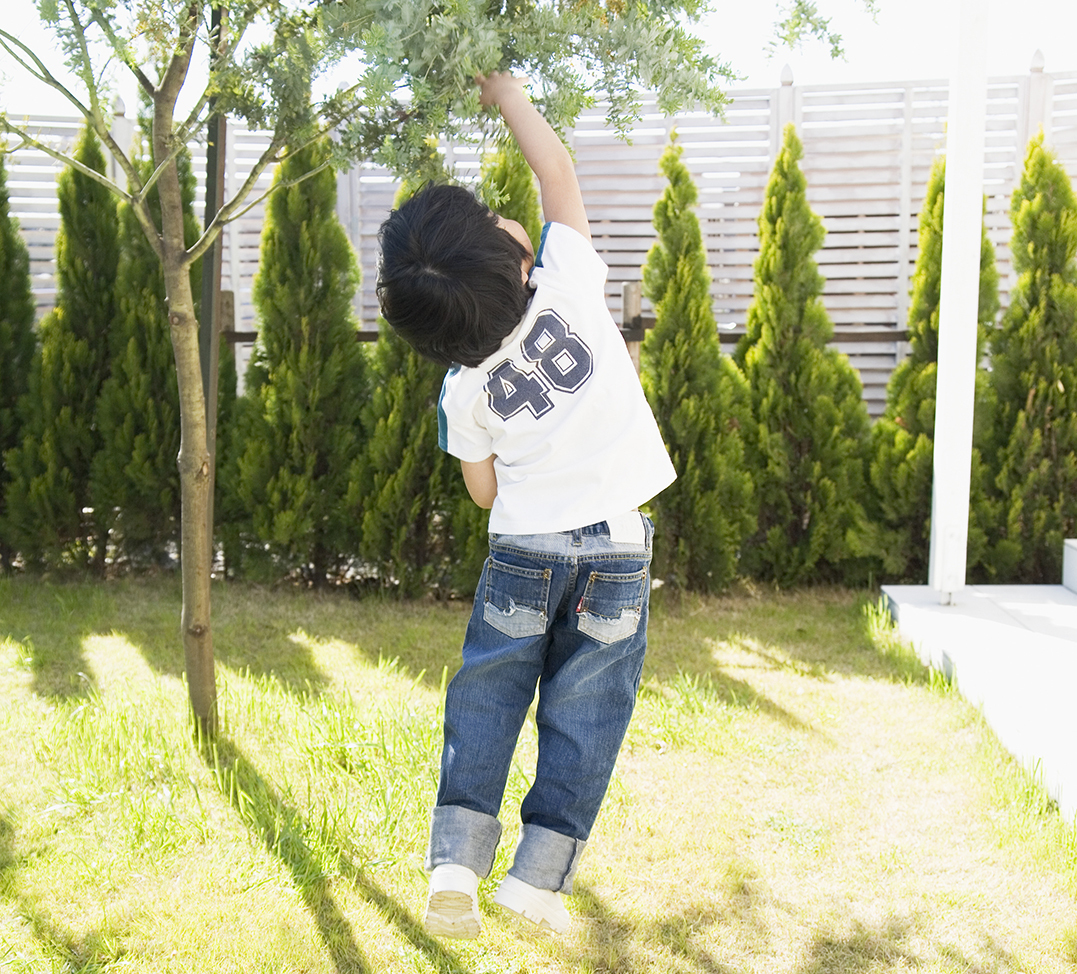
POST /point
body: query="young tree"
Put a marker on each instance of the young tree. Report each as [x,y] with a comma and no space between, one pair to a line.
[307,379]
[700,399]
[902,441]
[809,451]
[398,486]
[135,483]
[17,345]
[1034,377]
[419,60]
[48,496]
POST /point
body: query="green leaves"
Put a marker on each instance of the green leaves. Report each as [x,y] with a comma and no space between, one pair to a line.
[700,399]
[810,446]
[421,57]
[1034,379]
[49,488]
[307,383]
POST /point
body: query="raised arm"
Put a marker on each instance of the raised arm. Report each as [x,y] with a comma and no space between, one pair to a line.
[544,151]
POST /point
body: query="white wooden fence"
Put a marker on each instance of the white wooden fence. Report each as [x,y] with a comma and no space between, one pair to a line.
[868,150]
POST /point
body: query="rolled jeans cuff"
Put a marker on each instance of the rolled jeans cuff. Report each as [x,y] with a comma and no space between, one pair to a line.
[546,859]
[462,836]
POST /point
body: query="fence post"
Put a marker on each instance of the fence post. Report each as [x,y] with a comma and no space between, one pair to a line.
[235,265]
[123,131]
[906,222]
[631,314]
[1034,112]
[783,112]
[349,210]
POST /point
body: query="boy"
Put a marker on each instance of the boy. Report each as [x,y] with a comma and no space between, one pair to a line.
[545,412]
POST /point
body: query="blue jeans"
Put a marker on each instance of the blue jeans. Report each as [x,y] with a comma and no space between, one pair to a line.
[567,611]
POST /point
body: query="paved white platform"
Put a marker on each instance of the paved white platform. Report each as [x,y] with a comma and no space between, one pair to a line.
[1013,652]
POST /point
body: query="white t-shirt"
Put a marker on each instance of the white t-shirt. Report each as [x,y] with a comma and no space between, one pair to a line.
[559,405]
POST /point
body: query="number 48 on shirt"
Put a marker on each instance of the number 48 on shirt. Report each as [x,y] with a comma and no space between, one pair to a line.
[561,360]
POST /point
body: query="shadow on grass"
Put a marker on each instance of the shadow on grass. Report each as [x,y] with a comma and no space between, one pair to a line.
[813,632]
[52,621]
[424,637]
[739,693]
[247,637]
[282,829]
[864,949]
[612,941]
[91,953]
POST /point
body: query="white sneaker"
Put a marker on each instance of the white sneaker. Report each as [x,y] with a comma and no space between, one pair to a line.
[452,905]
[543,907]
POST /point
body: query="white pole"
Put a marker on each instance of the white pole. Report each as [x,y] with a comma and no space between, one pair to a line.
[962,218]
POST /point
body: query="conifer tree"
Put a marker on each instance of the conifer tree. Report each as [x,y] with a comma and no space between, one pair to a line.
[700,399]
[231,519]
[399,485]
[903,438]
[508,187]
[49,492]
[17,343]
[307,378]
[808,455]
[1034,378]
[135,477]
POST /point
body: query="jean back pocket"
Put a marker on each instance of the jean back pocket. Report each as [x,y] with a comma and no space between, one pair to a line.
[612,605]
[516,599]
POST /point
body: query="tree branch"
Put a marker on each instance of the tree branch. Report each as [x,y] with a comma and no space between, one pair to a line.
[85,64]
[29,140]
[176,72]
[94,120]
[120,47]
[221,53]
[42,73]
[229,212]
[217,226]
[194,120]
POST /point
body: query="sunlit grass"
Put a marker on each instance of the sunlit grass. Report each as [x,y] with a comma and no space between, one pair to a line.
[796,793]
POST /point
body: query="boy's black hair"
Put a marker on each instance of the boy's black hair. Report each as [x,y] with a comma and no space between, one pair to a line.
[449,280]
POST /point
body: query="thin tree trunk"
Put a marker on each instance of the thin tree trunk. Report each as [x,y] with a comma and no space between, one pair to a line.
[195,470]
[195,461]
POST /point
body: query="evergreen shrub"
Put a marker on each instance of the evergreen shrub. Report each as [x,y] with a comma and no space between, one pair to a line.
[135,477]
[17,343]
[808,455]
[699,397]
[398,486]
[307,381]
[902,441]
[49,500]
[1034,380]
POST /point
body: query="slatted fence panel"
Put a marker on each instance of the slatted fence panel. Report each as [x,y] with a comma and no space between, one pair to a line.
[868,150]
[31,176]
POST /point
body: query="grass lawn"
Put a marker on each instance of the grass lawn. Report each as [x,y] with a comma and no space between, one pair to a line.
[795,795]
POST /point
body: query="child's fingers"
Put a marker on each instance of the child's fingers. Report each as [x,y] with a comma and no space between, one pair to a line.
[496,85]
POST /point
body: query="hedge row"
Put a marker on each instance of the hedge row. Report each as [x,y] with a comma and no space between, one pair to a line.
[328,467]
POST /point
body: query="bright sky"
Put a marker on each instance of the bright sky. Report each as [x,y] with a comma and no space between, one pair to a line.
[912,40]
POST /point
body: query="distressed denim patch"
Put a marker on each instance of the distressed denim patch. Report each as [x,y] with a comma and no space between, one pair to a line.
[516,599]
[611,605]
